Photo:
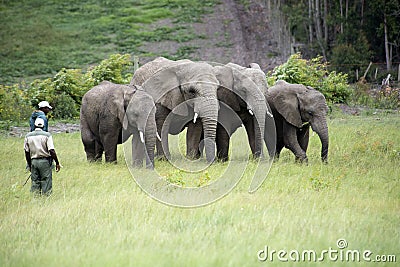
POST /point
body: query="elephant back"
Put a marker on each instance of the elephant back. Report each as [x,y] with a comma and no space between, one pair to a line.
[146,71]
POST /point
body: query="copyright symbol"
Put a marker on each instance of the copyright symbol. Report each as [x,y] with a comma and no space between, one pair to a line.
[341,243]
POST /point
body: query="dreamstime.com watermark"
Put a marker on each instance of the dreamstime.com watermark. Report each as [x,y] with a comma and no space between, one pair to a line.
[339,253]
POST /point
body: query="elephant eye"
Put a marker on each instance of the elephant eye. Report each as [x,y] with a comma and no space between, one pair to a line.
[192,91]
[310,113]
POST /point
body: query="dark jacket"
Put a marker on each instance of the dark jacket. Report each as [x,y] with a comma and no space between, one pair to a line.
[38,114]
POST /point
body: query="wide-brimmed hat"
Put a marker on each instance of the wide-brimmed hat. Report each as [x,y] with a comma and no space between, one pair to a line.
[44,104]
[39,122]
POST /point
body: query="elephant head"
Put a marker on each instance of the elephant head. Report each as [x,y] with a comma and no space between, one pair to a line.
[300,105]
[242,89]
[190,85]
[139,120]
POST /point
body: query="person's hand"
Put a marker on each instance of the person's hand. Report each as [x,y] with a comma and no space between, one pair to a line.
[58,167]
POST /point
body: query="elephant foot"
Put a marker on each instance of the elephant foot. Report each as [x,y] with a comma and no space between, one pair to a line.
[303,160]
[93,159]
[222,159]
[161,158]
[193,155]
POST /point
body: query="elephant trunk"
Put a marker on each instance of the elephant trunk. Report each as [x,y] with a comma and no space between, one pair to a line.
[150,142]
[207,109]
[259,115]
[319,125]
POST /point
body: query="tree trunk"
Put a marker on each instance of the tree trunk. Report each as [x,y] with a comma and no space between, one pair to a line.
[341,16]
[387,52]
[310,18]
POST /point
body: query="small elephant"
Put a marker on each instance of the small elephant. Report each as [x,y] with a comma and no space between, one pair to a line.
[184,88]
[110,113]
[295,108]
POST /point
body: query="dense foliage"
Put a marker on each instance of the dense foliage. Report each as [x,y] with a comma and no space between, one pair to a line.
[312,73]
[64,91]
[348,33]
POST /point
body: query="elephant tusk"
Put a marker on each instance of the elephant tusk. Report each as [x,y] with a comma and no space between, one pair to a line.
[195,117]
[141,136]
[251,112]
[269,114]
[158,137]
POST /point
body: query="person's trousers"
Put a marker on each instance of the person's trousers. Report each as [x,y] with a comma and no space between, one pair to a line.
[41,176]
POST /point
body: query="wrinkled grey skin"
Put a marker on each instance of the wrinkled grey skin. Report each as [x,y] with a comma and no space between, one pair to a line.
[171,84]
[241,90]
[104,124]
[295,108]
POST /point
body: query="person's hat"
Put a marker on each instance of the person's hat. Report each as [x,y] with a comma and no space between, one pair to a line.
[39,122]
[44,104]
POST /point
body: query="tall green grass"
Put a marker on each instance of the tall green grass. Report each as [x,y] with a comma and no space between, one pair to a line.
[98,216]
[39,37]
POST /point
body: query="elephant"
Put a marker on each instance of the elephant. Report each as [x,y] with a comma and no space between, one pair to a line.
[183,89]
[241,91]
[295,108]
[110,114]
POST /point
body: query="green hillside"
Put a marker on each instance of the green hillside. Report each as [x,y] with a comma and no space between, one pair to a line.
[39,37]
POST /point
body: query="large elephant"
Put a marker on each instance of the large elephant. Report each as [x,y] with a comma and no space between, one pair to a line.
[295,107]
[186,89]
[241,91]
[110,113]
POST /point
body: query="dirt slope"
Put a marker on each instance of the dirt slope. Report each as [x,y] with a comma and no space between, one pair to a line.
[234,33]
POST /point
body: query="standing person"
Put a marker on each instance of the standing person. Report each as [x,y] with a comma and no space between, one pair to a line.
[39,155]
[44,109]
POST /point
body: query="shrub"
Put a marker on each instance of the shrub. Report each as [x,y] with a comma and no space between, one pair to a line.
[113,69]
[314,73]
[70,82]
[14,104]
[64,91]
[66,107]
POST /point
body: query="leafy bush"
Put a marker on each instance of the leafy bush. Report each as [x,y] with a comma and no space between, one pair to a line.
[64,91]
[384,98]
[14,104]
[113,69]
[312,73]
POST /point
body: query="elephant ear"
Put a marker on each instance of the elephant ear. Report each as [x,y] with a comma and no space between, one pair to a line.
[116,102]
[287,104]
[226,90]
[164,88]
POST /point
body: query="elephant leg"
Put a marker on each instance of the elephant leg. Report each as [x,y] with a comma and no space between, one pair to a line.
[109,135]
[89,144]
[88,140]
[290,141]
[222,143]
[279,146]
[249,126]
[303,136]
[193,138]
[99,149]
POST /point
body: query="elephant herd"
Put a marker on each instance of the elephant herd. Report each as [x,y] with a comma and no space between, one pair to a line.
[211,102]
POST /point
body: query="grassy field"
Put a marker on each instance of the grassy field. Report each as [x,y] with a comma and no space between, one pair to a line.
[98,216]
[39,37]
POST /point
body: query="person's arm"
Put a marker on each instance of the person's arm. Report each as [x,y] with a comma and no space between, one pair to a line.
[54,156]
[28,159]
